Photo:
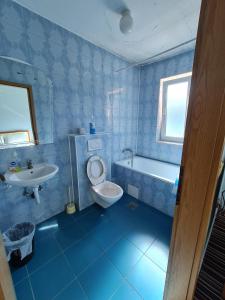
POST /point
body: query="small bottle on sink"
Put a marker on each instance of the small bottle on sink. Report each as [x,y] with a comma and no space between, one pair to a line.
[14,165]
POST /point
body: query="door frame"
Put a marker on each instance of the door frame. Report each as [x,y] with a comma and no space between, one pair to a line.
[202,154]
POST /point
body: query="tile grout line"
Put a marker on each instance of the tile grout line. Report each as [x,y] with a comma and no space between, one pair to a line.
[43,265]
[125,277]
[144,252]
[65,258]
[83,289]
[143,255]
[132,287]
[64,288]
[75,276]
[60,252]
[19,281]
[90,264]
[61,249]
[149,258]
[30,284]
[51,259]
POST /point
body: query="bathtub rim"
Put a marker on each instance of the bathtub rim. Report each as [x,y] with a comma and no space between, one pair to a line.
[149,174]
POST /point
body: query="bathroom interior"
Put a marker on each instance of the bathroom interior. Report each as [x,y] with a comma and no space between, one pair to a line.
[93,103]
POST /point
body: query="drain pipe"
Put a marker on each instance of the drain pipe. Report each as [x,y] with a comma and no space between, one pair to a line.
[36,194]
[33,193]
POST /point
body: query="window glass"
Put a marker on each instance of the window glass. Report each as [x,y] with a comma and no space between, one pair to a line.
[174,98]
[176,109]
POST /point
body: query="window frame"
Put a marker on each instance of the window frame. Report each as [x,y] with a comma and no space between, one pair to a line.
[162,114]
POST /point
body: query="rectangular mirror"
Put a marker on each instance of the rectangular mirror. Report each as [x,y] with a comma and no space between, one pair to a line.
[17,116]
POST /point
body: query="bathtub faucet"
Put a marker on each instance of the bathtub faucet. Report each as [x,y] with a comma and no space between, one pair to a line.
[131,155]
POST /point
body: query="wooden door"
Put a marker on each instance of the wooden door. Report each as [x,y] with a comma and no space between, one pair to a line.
[202,151]
[6,285]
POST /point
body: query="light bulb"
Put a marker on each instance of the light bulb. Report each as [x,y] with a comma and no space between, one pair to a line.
[126,22]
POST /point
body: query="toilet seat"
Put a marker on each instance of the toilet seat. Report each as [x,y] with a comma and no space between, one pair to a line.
[96,170]
[108,190]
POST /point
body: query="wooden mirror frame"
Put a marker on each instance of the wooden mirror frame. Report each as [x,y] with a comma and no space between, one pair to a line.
[31,107]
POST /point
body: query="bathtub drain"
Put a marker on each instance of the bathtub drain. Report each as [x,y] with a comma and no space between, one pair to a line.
[132,205]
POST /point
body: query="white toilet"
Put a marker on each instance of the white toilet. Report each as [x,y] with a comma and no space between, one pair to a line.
[106,192]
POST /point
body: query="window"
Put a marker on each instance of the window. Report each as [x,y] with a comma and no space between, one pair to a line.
[174,95]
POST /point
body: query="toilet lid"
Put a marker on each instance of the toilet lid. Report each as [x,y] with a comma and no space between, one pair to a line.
[96,169]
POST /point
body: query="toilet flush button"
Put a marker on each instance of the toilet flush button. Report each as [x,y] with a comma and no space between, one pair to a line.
[94,144]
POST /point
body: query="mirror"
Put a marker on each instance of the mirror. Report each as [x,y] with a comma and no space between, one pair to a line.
[17,116]
[26,105]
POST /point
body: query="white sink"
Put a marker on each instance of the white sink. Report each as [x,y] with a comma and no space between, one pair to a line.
[32,177]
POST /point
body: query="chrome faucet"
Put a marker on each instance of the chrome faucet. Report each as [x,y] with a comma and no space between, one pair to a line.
[131,155]
[29,164]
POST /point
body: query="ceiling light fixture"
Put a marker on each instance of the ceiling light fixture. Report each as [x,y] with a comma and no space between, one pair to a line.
[126,22]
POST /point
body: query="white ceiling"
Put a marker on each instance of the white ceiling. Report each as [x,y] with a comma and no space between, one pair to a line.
[158,24]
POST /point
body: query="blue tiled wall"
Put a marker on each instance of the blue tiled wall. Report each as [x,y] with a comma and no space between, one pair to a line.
[148,106]
[82,75]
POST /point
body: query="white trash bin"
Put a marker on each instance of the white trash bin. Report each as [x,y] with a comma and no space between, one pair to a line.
[19,243]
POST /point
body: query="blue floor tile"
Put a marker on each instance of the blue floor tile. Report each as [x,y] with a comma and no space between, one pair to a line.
[141,236]
[101,279]
[124,255]
[94,208]
[135,242]
[64,220]
[72,292]
[23,290]
[125,292]
[159,253]
[18,274]
[60,221]
[46,229]
[43,251]
[164,236]
[69,235]
[51,278]
[123,219]
[107,234]
[148,279]
[92,220]
[82,254]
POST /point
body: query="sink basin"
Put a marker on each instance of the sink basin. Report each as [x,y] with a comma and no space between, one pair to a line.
[32,177]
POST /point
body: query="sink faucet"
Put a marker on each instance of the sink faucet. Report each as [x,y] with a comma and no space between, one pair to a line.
[131,155]
[29,164]
[2,178]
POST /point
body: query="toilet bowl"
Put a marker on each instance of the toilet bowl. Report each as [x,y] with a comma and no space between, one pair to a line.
[105,192]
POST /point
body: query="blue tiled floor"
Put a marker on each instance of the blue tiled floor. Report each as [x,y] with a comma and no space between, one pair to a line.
[119,254]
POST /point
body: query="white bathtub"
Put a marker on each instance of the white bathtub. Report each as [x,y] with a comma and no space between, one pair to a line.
[162,170]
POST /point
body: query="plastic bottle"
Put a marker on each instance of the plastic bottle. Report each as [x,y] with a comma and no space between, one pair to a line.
[15,165]
[92,126]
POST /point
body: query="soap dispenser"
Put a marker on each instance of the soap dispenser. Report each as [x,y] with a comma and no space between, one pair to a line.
[15,165]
